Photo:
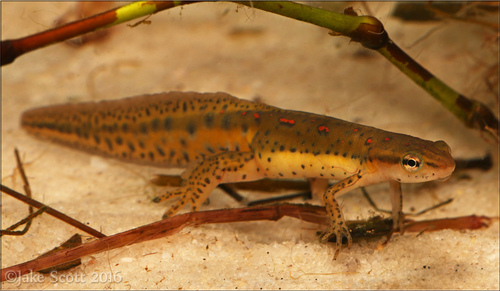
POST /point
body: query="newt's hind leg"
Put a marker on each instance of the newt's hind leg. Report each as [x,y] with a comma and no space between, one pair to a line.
[229,167]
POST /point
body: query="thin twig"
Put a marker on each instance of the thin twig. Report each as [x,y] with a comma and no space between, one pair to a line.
[52,211]
[166,227]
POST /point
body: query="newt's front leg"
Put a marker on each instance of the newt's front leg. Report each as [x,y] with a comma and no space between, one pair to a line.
[200,181]
[397,206]
[338,227]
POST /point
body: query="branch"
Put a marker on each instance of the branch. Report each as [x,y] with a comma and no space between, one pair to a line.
[166,227]
[366,30]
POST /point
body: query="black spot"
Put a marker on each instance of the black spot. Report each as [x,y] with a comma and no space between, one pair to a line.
[118,140]
[97,139]
[344,155]
[125,127]
[282,148]
[167,123]
[210,149]
[243,177]
[226,122]
[186,156]
[191,128]
[151,156]
[172,153]
[131,146]
[144,128]
[293,150]
[244,128]
[155,124]
[160,151]
[269,159]
[183,142]
[303,167]
[209,120]
[316,153]
[184,106]
[141,144]
[327,152]
[207,180]
[108,142]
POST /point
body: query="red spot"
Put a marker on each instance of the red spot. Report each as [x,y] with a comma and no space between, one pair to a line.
[386,138]
[323,128]
[244,113]
[407,144]
[369,140]
[256,115]
[423,146]
[356,129]
[313,120]
[222,111]
[289,121]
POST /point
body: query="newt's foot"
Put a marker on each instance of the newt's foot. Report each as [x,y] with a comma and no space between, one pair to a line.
[185,195]
[338,230]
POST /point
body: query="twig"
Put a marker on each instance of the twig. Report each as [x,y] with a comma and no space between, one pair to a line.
[366,30]
[27,191]
[52,212]
[10,230]
[156,230]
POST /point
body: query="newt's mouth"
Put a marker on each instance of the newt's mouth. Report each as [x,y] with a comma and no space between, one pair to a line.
[444,179]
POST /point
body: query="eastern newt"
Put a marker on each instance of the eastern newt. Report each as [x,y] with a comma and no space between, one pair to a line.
[224,139]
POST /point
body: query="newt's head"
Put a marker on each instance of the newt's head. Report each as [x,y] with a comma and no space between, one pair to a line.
[413,160]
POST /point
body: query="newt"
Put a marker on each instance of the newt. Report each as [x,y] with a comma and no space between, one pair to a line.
[223,139]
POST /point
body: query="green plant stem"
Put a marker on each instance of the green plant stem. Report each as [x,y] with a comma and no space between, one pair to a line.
[370,32]
[366,30]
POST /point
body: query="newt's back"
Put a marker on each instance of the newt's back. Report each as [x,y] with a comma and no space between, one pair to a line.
[167,129]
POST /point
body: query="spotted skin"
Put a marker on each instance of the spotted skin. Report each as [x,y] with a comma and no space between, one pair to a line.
[223,139]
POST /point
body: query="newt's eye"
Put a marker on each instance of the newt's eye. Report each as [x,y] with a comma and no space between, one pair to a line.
[412,162]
